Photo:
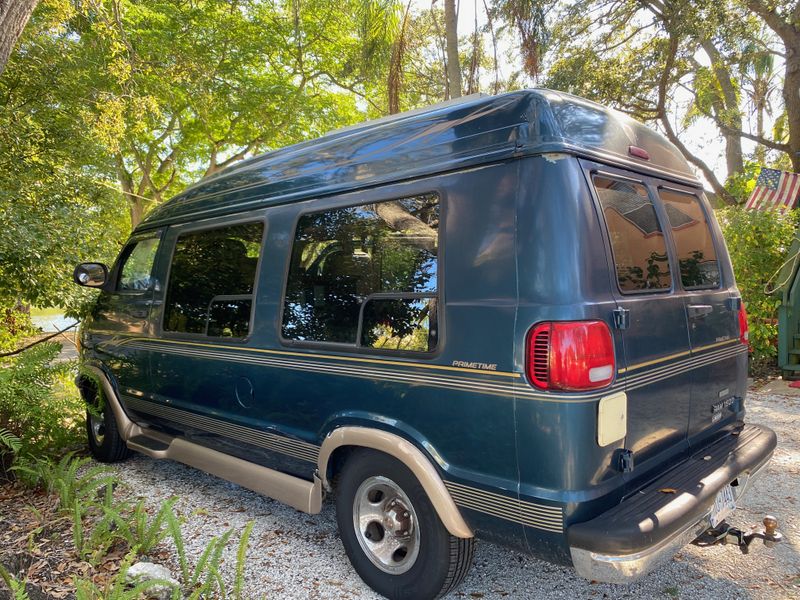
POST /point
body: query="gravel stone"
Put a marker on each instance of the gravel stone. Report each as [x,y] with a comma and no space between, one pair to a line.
[295,555]
[147,571]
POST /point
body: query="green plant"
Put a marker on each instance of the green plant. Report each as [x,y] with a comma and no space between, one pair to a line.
[63,479]
[117,588]
[39,403]
[241,560]
[17,587]
[15,325]
[758,242]
[205,579]
[9,441]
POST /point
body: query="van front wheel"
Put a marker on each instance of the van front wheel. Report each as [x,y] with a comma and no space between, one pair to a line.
[105,441]
[391,532]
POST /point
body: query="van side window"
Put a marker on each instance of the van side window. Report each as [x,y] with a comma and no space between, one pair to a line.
[366,276]
[138,266]
[693,241]
[637,241]
[211,281]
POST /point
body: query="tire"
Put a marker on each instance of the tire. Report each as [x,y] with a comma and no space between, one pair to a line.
[415,557]
[105,442]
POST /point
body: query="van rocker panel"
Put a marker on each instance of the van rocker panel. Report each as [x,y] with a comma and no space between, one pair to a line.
[648,527]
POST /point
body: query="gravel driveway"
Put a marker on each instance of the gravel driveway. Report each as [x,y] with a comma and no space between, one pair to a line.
[294,555]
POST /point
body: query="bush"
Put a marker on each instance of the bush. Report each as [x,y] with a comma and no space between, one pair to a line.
[758,243]
[39,403]
[14,326]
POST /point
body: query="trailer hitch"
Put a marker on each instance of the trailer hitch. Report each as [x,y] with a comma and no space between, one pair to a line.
[725,534]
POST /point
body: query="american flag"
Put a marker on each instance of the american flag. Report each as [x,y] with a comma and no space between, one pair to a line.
[775,189]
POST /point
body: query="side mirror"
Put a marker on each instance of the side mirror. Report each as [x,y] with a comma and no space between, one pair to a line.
[93,275]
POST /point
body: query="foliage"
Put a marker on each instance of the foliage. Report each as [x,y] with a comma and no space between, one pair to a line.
[205,579]
[38,401]
[71,478]
[116,588]
[17,587]
[15,325]
[741,185]
[9,441]
[758,242]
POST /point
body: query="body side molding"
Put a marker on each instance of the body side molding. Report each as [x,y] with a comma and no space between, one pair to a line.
[294,491]
[404,451]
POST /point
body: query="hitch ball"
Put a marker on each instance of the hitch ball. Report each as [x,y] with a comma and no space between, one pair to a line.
[771,534]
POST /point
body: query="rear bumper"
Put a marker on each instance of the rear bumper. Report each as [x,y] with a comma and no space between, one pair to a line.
[648,528]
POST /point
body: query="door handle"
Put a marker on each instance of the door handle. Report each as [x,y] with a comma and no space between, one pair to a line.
[699,310]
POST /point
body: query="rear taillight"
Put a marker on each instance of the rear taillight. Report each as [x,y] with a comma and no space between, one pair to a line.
[570,355]
[744,330]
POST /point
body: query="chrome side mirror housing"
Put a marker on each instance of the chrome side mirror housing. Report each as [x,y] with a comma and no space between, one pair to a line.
[93,275]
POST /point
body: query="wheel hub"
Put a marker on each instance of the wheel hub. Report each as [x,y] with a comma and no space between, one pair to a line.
[386,525]
[98,427]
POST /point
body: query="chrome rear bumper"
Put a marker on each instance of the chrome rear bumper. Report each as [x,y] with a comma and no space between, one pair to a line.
[596,563]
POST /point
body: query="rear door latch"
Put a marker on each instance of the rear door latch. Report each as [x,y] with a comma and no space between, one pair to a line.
[622,318]
[625,458]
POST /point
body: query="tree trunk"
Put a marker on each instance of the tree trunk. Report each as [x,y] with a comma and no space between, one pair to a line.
[729,112]
[137,210]
[761,107]
[395,81]
[14,15]
[451,35]
[791,98]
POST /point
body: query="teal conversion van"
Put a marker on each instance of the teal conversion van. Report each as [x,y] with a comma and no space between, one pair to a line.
[511,318]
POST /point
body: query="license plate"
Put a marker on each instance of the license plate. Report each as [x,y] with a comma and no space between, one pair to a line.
[724,504]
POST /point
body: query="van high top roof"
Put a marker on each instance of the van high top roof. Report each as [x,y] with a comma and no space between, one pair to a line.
[453,135]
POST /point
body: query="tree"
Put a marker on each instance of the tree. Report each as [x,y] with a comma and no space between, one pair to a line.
[14,15]
[649,52]
[783,18]
[58,205]
[453,63]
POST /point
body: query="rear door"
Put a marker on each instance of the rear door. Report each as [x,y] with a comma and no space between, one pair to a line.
[712,305]
[651,316]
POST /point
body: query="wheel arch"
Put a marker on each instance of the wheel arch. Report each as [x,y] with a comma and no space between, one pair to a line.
[345,439]
[91,375]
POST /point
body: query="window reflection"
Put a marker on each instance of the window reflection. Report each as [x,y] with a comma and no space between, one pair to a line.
[637,241]
[400,324]
[138,266]
[693,242]
[342,256]
[208,268]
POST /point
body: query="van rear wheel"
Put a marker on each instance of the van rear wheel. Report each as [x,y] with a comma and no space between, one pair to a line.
[391,532]
[105,441]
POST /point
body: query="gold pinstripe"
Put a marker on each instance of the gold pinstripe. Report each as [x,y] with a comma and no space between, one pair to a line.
[514,388]
[531,514]
[328,357]
[661,359]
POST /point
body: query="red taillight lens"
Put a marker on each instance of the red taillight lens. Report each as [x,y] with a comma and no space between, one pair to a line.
[570,355]
[744,329]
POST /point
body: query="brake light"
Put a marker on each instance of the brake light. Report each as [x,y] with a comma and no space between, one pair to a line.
[744,329]
[570,355]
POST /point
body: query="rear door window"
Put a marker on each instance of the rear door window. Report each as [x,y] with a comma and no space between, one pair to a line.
[366,276]
[211,281]
[694,243]
[637,240]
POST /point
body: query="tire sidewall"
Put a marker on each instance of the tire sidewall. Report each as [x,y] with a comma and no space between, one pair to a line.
[110,449]
[426,577]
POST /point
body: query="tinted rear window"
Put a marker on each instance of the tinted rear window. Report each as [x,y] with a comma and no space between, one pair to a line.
[637,240]
[693,241]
